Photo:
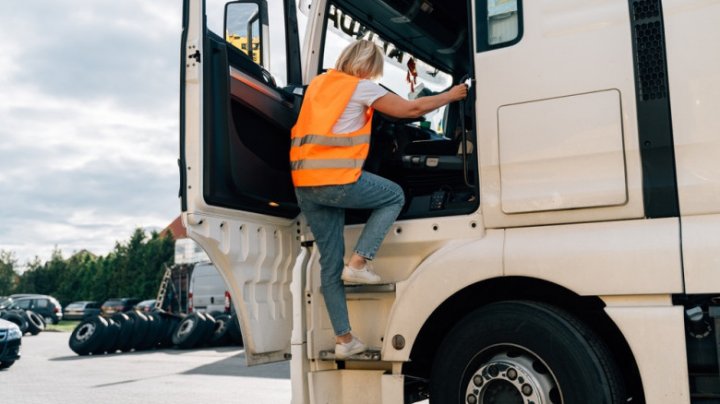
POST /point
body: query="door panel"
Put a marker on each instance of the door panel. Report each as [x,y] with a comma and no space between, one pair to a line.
[566,50]
[574,160]
[239,201]
[246,139]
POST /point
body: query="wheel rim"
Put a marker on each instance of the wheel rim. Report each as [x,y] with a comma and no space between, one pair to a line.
[85,332]
[509,374]
[186,327]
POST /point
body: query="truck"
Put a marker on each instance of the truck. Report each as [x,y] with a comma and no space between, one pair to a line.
[560,240]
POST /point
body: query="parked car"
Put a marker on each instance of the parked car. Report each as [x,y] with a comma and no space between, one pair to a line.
[208,292]
[46,306]
[5,301]
[10,340]
[146,306]
[81,309]
[118,304]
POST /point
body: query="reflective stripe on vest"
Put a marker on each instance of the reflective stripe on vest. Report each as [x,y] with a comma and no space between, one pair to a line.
[326,163]
[324,140]
[317,155]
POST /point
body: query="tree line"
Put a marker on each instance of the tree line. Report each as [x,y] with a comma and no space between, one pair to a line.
[132,269]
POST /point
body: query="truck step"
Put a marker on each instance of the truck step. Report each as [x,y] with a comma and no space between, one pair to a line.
[369,355]
[381,288]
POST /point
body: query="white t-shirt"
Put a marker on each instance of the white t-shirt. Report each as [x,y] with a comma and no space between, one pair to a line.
[353,118]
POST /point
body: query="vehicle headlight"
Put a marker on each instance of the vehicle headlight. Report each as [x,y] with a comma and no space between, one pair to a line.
[14,333]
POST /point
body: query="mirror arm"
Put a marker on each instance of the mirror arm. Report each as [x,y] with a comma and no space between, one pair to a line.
[253,18]
[294,69]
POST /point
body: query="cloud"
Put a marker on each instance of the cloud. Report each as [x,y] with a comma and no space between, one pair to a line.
[89,111]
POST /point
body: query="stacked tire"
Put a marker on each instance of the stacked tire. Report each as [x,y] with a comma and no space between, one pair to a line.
[201,329]
[137,331]
[27,320]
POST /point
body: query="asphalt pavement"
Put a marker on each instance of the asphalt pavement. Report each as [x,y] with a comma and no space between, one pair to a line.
[50,373]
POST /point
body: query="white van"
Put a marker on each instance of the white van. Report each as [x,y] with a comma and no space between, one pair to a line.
[208,292]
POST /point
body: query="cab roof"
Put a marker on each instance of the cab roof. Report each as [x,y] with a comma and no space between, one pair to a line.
[434,31]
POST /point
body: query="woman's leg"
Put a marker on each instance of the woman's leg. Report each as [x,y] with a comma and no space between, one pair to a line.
[386,198]
[327,224]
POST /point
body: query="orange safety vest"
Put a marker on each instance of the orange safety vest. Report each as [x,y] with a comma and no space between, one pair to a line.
[317,155]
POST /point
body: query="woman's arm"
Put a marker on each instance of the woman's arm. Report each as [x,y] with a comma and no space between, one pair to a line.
[398,107]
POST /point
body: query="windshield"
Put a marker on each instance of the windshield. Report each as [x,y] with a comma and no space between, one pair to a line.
[404,74]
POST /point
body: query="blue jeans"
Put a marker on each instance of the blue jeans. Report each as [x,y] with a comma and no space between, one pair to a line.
[324,208]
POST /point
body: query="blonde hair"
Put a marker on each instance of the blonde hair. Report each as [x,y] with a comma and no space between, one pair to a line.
[361,59]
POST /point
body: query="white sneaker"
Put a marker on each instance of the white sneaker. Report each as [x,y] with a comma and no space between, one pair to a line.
[355,346]
[364,275]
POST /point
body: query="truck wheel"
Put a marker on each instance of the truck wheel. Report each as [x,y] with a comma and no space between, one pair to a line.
[35,322]
[209,325]
[171,323]
[234,330]
[149,340]
[189,331]
[220,332]
[126,330]
[140,328]
[88,335]
[109,344]
[520,352]
[157,330]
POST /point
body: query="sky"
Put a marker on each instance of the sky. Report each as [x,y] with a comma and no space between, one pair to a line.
[88,122]
[89,110]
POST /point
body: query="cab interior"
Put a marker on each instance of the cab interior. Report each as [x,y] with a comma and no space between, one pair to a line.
[434,162]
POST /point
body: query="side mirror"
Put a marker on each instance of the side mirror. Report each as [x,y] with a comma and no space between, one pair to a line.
[246,28]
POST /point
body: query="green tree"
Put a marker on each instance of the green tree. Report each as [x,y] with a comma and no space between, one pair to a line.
[8,277]
[131,269]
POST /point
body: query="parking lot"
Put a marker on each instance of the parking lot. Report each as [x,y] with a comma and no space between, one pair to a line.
[49,372]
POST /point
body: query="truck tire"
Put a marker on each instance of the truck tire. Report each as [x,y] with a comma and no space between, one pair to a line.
[171,323]
[126,331]
[35,322]
[156,330]
[149,340]
[17,317]
[88,335]
[234,331]
[110,340]
[518,352]
[209,325]
[140,329]
[189,331]
[219,336]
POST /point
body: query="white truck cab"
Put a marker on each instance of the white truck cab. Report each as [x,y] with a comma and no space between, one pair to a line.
[560,241]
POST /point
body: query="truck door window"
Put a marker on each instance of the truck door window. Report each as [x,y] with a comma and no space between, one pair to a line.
[499,23]
[268,44]
[341,29]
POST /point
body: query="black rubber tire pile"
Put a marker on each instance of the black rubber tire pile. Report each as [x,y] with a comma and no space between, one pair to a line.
[137,331]
[28,321]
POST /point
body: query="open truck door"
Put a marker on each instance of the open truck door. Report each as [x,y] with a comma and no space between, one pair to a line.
[237,197]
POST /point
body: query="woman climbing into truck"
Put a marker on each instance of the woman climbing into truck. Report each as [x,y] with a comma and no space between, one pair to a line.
[330,142]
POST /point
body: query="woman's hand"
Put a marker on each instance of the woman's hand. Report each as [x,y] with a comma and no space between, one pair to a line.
[458,92]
